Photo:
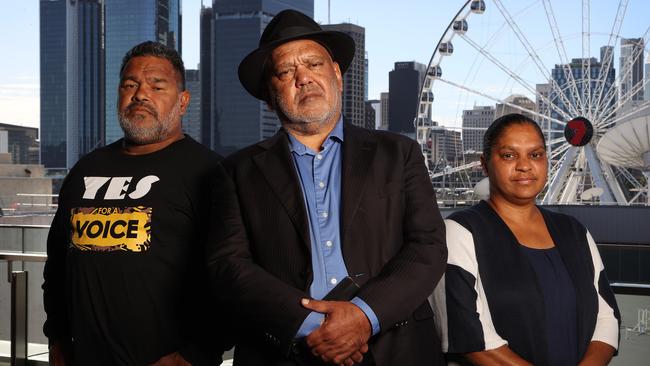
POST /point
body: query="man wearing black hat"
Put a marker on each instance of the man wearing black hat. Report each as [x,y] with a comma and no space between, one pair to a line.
[327,239]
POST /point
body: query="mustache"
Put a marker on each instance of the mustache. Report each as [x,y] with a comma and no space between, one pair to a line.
[308,90]
[134,105]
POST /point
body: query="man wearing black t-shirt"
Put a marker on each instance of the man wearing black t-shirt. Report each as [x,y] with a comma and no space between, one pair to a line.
[123,280]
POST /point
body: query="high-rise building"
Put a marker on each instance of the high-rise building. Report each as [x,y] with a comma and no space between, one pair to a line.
[631,69]
[475,122]
[20,142]
[369,115]
[354,79]
[238,118]
[501,109]
[85,78]
[53,72]
[127,24]
[208,130]
[366,74]
[376,106]
[646,79]
[404,84]
[541,97]
[602,94]
[445,146]
[385,103]
[72,80]
[192,117]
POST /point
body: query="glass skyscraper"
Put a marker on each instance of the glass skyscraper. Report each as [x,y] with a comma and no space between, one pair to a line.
[354,79]
[205,69]
[404,84]
[85,78]
[72,80]
[53,83]
[238,118]
[129,23]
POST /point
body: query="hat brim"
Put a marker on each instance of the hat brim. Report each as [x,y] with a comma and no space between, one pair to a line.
[251,70]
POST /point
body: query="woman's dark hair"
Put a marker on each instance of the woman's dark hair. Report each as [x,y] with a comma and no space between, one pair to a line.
[497,127]
[156,49]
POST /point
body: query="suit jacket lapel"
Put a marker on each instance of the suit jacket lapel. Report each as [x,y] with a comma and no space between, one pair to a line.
[280,173]
[358,154]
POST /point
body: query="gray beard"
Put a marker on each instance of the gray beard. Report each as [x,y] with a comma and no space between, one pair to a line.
[137,134]
[306,124]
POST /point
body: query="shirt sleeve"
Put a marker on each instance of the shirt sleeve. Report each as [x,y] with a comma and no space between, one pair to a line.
[314,319]
[310,324]
[372,317]
[459,303]
[607,320]
[56,327]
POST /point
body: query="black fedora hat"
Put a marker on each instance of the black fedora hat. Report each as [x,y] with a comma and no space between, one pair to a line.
[291,25]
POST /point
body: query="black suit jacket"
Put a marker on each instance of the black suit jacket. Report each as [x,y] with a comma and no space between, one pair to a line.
[259,256]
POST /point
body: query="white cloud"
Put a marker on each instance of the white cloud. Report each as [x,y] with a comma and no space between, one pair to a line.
[20,102]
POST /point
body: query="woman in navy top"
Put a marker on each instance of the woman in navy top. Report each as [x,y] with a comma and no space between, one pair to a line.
[523,285]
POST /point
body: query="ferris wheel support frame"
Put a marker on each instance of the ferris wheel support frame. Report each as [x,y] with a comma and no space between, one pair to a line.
[565,96]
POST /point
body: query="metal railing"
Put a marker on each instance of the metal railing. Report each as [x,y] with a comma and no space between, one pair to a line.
[19,299]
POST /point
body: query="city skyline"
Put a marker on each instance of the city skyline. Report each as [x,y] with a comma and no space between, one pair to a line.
[19,80]
[393,33]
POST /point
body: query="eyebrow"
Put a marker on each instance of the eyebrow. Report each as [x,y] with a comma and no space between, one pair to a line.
[156,79]
[302,59]
[128,77]
[515,148]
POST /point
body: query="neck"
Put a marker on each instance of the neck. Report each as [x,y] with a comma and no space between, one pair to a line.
[133,149]
[314,139]
[513,211]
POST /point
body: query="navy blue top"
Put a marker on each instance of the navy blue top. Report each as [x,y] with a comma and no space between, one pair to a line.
[559,304]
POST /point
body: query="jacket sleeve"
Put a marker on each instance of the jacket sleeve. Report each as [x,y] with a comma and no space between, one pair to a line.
[462,312]
[57,326]
[251,293]
[409,277]
[608,318]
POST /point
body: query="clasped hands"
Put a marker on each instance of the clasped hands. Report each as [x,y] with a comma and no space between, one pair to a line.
[342,338]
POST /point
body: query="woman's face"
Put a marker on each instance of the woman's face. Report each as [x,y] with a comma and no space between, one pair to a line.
[517,165]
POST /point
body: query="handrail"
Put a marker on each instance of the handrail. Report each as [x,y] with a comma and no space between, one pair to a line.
[19,295]
[25,226]
[23,257]
[622,288]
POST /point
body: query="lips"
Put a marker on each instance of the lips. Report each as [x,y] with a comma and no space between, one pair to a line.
[134,108]
[525,180]
[308,93]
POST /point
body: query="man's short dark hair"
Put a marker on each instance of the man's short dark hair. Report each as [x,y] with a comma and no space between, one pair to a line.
[156,49]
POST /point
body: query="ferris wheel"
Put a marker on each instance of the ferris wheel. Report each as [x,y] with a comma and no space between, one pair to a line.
[578,68]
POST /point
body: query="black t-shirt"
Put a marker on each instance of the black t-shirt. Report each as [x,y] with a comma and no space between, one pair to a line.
[123,281]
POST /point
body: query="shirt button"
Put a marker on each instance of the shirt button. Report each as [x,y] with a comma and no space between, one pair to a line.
[319,156]
[333,281]
[321,184]
[328,243]
[325,214]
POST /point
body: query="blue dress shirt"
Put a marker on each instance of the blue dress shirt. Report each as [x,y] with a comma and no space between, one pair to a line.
[320,179]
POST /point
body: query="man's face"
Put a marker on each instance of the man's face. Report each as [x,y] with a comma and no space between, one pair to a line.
[150,104]
[305,86]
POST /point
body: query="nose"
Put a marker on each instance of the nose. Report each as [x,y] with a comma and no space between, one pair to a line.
[523,164]
[303,76]
[140,95]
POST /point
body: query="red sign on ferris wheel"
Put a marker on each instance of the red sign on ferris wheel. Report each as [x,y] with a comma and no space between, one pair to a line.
[578,131]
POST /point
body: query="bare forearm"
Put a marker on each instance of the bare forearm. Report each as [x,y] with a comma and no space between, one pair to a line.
[502,356]
[598,353]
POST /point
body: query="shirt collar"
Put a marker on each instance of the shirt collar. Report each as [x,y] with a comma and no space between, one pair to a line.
[335,135]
